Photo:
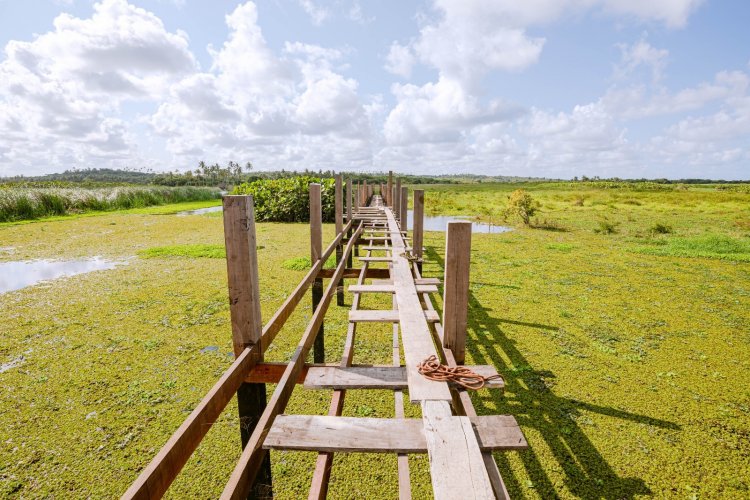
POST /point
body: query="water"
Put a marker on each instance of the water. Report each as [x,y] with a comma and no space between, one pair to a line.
[440,223]
[15,275]
[200,211]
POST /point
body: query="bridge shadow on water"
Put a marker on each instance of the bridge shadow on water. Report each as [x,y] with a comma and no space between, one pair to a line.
[543,414]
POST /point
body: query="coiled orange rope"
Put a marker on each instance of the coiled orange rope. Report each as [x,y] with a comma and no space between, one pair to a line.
[460,375]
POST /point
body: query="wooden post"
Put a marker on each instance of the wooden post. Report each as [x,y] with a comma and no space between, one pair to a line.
[456,287]
[339,220]
[404,208]
[244,309]
[364,193]
[349,214]
[389,190]
[357,204]
[397,201]
[417,240]
[393,198]
[316,250]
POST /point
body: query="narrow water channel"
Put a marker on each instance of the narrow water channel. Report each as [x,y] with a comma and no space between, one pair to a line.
[15,275]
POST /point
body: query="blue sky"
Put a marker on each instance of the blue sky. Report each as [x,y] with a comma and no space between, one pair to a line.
[555,88]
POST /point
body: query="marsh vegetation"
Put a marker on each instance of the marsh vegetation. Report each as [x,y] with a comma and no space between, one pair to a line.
[626,354]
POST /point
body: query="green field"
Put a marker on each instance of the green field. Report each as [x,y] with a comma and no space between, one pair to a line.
[620,321]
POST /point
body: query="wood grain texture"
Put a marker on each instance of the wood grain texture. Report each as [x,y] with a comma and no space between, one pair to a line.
[389,289]
[384,316]
[418,219]
[394,435]
[376,377]
[456,466]
[456,287]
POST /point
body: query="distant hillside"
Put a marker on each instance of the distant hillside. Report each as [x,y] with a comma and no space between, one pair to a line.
[90,175]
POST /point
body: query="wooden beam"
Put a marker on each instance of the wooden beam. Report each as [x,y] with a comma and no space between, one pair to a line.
[388,435]
[376,377]
[388,189]
[385,316]
[353,273]
[448,438]
[456,287]
[389,289]
[339,223]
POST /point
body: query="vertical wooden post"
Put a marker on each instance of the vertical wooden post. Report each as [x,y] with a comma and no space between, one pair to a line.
[364,193]
[417,240]
[357,204]
[397,201]
[349,215]
[404,199]
[393,198]
[389,190]
[316,250]
[339,220]
[244,310]
[456,287]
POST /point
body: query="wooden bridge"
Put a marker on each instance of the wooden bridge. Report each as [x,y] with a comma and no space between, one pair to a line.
[458,442]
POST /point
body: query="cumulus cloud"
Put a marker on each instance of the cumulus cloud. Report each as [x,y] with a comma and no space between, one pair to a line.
[317,13]
[294,108]
[63,88]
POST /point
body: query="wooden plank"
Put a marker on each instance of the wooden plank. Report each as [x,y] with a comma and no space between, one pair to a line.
[339,226]
[376,377]
[354,272]
[389,188]
[427,281]
[416,336]
[456,466]
[244,472]
[402,459]
[389,289]
[456,288]
[392,435]
[316,249]
[375,259]
[385,316]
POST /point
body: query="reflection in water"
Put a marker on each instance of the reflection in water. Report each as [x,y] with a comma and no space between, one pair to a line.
[15,275]
[200,211]
[440,223]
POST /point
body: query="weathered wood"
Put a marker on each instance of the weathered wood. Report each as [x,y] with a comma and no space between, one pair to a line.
[242,272]
[162,470]
[393,435]
[375,259]
[376,377]
[416,337]
[404,210]
[349,214]
[354,272]
[418,230]
[249,462]
[397,201]
[316,244]
[456,287]
[339,223]
[389,289]
[449,437]
[381,316]
[244,308]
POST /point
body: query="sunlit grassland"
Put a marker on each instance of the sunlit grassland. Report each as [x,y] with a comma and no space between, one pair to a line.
[628,372]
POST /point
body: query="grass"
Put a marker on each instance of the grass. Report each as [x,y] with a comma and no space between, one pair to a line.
[628,372]
[711,246]
[20,204]
[304,263]
[193,251]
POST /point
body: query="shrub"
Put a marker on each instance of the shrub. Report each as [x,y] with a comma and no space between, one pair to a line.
[606,227]
[660,228]
[522,205]
[288,200]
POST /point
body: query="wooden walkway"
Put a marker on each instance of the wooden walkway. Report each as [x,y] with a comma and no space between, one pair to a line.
[459,443]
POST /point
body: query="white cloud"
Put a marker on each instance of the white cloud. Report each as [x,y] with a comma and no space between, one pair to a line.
[60,92]
[317,13]
[294,108]
[638,54]
[400,60]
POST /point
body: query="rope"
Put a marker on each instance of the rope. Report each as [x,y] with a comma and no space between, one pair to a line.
[431,369]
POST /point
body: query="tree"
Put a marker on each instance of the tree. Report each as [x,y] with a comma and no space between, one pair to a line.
[521,204]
